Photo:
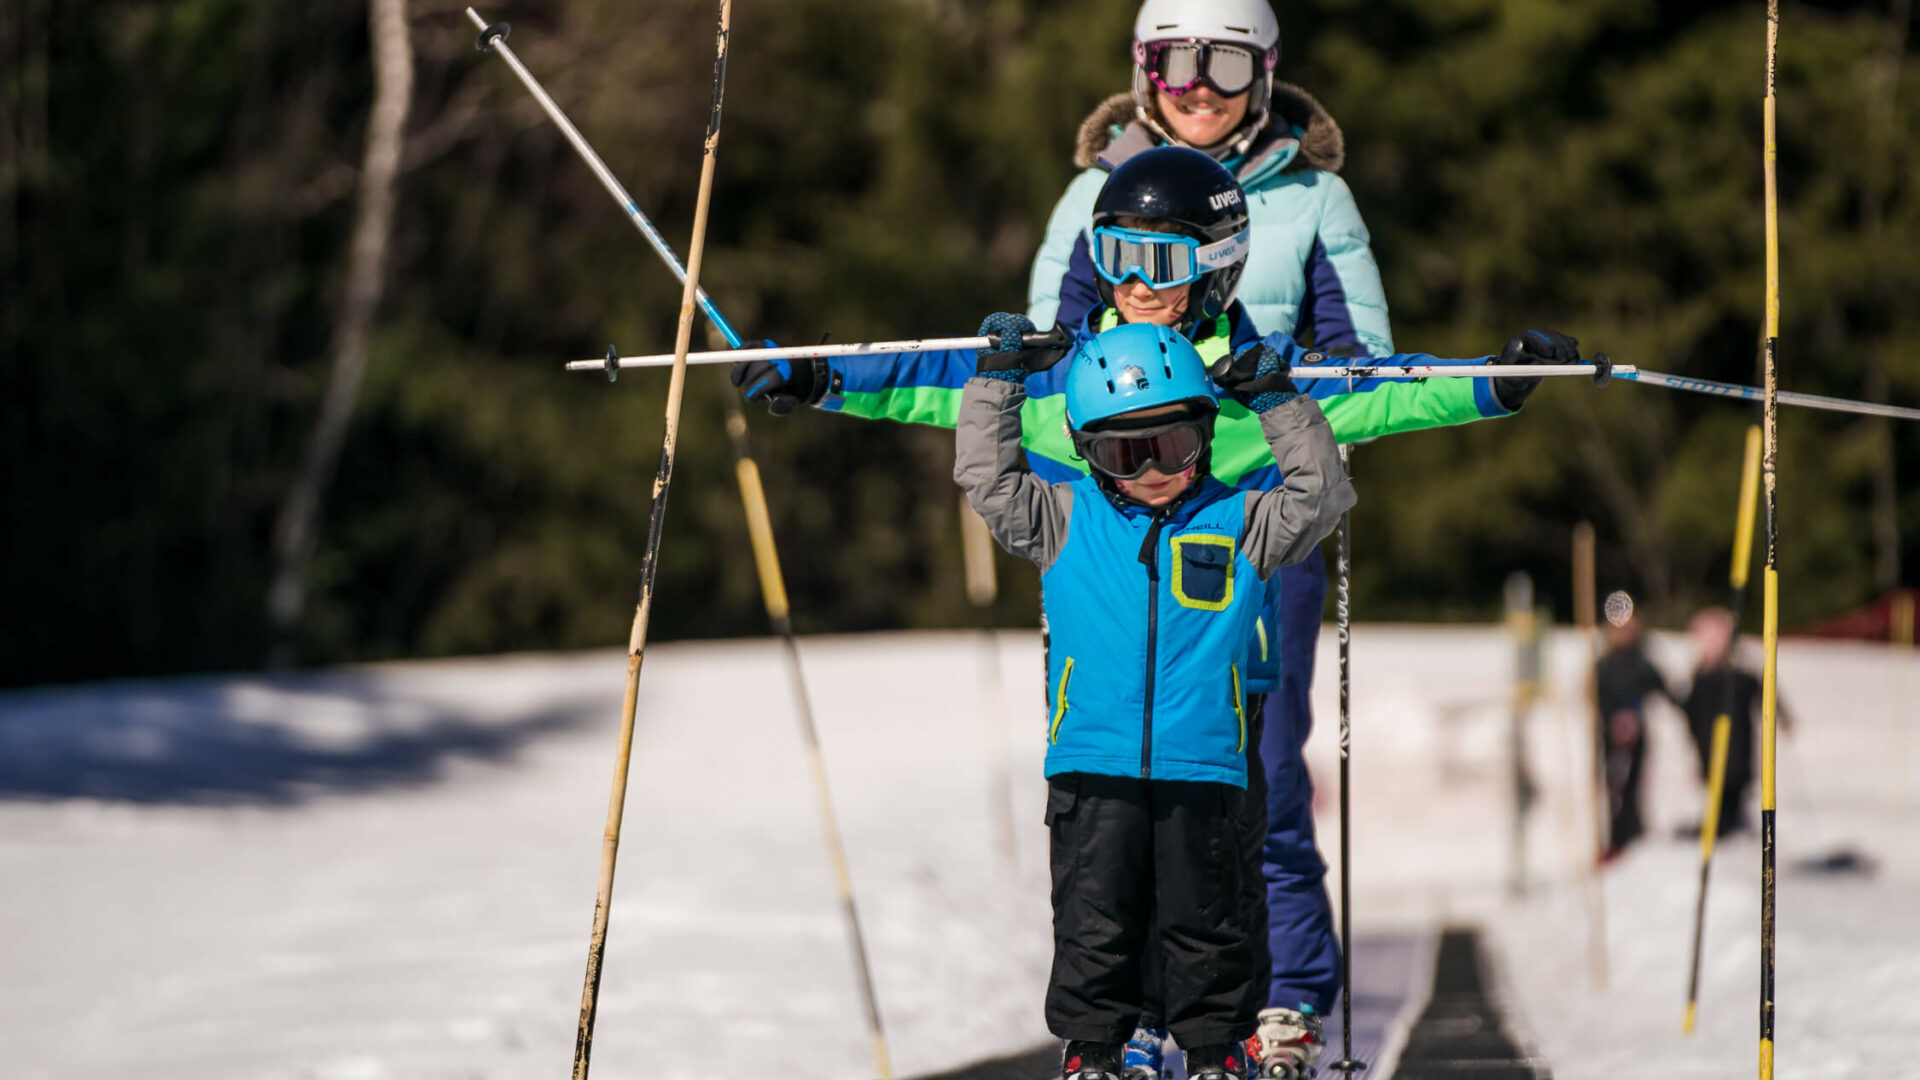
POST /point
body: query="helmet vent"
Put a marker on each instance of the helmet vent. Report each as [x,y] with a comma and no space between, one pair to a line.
[1247,30]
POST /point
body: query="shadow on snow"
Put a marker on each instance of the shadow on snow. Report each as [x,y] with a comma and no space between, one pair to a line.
[272,741]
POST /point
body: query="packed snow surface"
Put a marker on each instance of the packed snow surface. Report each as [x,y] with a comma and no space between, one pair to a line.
[388,871]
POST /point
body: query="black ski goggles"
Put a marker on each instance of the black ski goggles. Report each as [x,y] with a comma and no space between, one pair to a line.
[1179,66]
[1128,453]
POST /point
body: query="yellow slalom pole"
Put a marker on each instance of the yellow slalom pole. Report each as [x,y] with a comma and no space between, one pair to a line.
[1770,624]
[1723,723]
[637,636]
[773,591]
[1900,638]
[1586,616]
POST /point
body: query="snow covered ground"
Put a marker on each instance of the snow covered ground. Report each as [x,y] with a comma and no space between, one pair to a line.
[388,871]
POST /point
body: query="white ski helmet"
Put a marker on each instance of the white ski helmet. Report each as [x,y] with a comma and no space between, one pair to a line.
[1242,22]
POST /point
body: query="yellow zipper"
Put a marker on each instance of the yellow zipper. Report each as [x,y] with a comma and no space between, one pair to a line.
[1239,709]
[1060,704]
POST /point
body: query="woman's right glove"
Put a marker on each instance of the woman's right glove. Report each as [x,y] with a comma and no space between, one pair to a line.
[1257,376]
[1532,347]
[1010,358]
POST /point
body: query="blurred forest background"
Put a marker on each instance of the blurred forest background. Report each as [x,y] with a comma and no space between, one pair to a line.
[178,194]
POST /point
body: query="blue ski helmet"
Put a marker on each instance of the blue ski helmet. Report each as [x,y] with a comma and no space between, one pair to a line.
[1132,367]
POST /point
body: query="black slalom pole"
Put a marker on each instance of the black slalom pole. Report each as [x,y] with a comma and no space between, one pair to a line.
[1343,612]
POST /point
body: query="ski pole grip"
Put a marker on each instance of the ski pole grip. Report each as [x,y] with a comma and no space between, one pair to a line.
[496,32]
[1602,369]
[1059,337]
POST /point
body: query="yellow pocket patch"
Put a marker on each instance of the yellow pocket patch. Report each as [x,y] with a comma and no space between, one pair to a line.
[1203,571]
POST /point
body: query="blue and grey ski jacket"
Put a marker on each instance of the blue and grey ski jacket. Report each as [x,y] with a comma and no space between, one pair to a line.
[1150,613]
[1310,274]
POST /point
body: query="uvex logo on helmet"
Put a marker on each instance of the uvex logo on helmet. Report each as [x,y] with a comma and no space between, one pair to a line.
[1225,199]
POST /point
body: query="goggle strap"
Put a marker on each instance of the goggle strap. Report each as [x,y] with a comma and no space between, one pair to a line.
[1224,252]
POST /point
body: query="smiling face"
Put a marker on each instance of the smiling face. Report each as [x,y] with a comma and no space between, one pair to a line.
[1200,117]
[1138,302]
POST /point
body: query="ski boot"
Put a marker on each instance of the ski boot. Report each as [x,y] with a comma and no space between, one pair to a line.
[1090,1061]
[1143,1058]
[1288,1043]
[1221,1061]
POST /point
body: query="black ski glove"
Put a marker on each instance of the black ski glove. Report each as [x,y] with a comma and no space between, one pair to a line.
[784,385]
[1257,376]
[1014,360]
[1531,347]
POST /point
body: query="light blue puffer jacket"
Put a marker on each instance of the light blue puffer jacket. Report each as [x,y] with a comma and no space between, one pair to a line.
[1310,274]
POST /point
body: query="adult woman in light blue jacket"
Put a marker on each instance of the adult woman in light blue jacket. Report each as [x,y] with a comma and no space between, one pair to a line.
[1203,77]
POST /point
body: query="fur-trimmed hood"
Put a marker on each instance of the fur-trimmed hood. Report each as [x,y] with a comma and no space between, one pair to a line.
[1321,144]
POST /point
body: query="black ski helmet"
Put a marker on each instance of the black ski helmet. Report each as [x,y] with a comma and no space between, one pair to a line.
[1195,194]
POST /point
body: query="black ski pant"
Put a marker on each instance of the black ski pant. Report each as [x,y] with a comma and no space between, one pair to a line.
[1625,765]
[1153,992]
[1133,857]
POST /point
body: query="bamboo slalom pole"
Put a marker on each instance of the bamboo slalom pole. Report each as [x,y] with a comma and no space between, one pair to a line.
[1770,619]
[983,587]
[773,591]
[1586,617]
[1723,722]
[662,486]
[1900,634]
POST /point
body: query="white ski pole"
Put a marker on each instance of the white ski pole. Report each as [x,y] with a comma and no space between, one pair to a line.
[613,362]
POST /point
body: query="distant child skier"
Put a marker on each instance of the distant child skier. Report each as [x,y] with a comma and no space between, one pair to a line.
[1623,681]
[1722,687]
[1152,577]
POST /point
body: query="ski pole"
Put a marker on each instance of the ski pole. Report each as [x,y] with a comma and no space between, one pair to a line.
[613,363]
[1629,372]
[1770,618]
[773,590]
[492,38]
[1723,722]
[1755,393]
[1343,609]
[753,498]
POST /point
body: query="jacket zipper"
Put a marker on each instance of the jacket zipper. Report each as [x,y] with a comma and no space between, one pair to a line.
[1150,555]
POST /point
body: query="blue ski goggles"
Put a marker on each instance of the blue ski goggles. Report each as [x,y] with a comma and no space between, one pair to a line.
[1162,260]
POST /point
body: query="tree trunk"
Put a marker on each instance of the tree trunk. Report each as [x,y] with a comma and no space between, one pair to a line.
[297,529]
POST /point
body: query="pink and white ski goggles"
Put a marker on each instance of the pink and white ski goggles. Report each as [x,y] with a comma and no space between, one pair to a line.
[1177,66]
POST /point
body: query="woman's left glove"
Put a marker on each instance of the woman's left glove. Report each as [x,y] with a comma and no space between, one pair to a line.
[1257,376]
[1531,347]
[784,385]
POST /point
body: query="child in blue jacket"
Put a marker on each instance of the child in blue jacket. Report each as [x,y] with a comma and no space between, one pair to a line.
[1153,574]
